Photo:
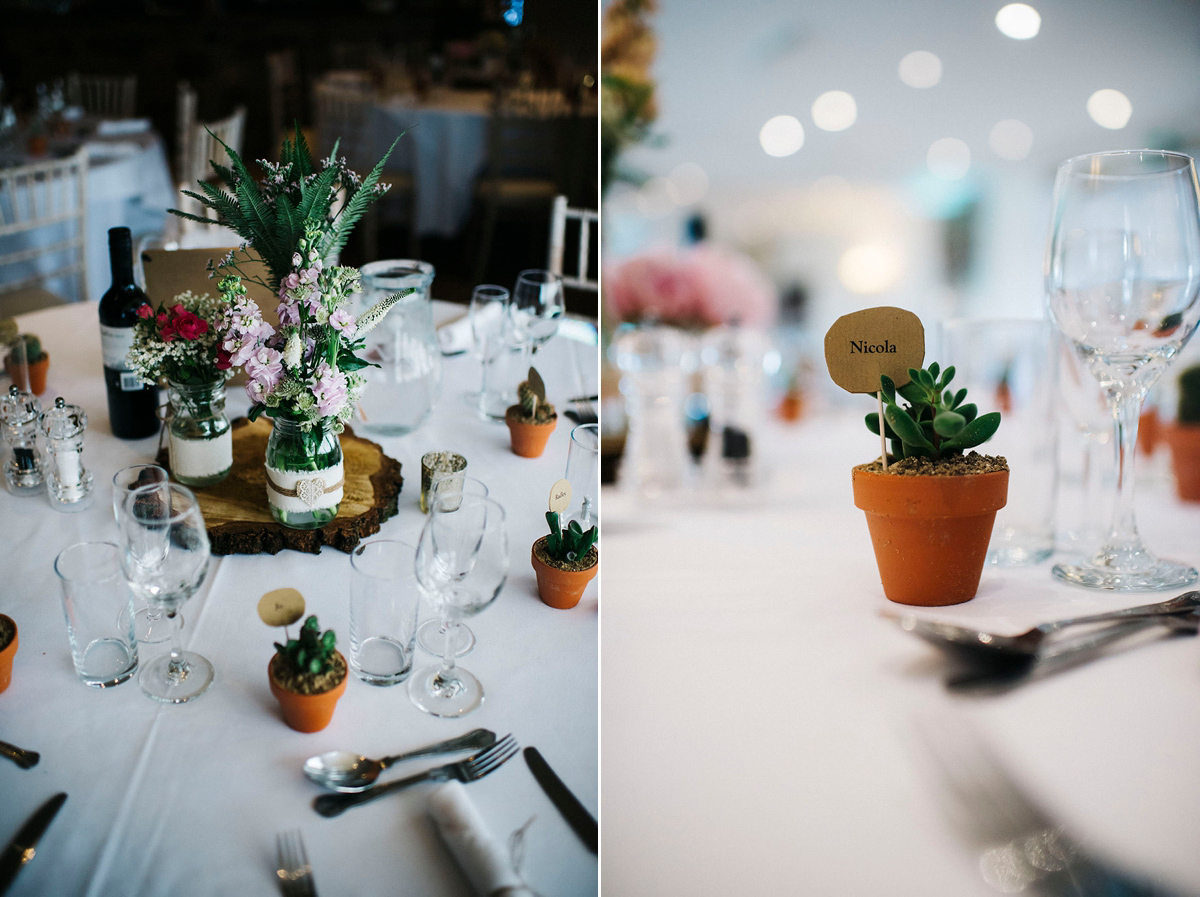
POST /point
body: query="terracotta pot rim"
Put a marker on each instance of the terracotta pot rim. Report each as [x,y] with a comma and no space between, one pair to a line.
[316,694]
[538,560]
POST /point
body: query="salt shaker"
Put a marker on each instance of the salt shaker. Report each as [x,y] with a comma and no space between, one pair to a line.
[67,483]
[23,465]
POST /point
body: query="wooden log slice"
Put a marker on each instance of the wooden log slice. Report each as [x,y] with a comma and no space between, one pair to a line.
[239,519]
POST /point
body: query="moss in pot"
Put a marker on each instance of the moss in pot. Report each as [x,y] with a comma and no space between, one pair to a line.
[931,508]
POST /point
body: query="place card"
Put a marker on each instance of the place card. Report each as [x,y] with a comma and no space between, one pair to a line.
[281,607]
[864,345]
[560,496]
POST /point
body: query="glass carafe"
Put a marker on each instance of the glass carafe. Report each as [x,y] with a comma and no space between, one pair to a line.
[402,392]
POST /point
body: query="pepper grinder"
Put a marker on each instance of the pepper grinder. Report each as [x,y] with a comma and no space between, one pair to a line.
[23,464]
[67,483]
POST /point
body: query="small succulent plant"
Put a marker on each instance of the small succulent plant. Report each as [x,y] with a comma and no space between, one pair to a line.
[935,423]
[1189,396]
[533,409]
[27,349]
[312,652]
[570,544]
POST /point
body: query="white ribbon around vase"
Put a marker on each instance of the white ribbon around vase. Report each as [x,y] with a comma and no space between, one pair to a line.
[492,870]
[314,489]
[201,457]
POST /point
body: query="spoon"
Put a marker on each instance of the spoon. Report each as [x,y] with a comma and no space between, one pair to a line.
[347,771]
[987,649]
[23,758]
[1002,678]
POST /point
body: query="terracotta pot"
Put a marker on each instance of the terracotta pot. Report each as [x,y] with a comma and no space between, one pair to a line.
[1150,431]
[37,373]
[1184,440]
[306,713]
[528,440]
[930,533]
[560,589]
[7,653]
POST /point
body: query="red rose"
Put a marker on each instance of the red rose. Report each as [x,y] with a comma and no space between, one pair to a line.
[179,311]
[168,331]
[161,319]
[191,326]
[224,362]
[145,311]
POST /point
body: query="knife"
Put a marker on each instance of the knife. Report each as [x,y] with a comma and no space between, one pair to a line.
[20,850]
[564,801]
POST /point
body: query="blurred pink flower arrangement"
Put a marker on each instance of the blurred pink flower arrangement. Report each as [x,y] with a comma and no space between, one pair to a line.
[699,287]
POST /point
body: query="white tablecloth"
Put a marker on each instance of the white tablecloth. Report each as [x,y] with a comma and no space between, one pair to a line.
[758,712]
[171,800]
[445,148]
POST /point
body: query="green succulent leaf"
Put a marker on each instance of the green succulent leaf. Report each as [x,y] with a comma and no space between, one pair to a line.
[975,433]
[907,429]
[912,392]
[968,411]
[958,398]
[888,387]
[949,424]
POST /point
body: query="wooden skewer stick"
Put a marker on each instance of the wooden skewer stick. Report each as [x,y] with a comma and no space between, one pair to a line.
[882,428]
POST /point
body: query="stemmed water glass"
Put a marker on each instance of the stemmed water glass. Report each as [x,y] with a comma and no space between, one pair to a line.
[431,635]
[534,310]
[150,624]
[165,560]
[488,314]
[1122,281]
[461,565]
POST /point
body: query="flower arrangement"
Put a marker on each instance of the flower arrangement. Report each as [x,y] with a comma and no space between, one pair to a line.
[179,341]
[307,370]
[627,98]
[699,287]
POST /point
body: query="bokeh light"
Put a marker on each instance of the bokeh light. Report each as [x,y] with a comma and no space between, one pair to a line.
[1110,109]
[1011,139]
[834,110]
[870,268]
[948,158]
[781,136]
[920,69]
[1018,21]
[687,184]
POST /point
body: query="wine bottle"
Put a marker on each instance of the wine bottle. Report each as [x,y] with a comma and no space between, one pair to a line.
[132,406]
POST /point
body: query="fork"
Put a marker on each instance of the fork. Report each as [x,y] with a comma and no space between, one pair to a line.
[471,769]
[1020,846]
[295,873]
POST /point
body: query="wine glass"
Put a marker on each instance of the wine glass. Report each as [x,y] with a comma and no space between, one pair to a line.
[165,561]
[431,635]
[488,315]
[534,310]
[1122,281]
[461,564]
[150,624]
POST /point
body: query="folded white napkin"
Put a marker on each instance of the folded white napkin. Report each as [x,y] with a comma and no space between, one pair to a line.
[487,864]
[455,337]
[117,126]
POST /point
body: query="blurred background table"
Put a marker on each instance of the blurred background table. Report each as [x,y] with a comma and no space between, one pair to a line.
[188,799]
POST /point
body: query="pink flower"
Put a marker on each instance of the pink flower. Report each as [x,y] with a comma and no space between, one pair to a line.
[704,286]
[291,281]
[289,314]
[342,321]
[145,311]
[256,390]
[330,390]
[310,275]
[266,367]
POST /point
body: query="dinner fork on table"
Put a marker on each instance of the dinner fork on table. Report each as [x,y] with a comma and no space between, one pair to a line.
[471,769]
[1021,848]
[295,873]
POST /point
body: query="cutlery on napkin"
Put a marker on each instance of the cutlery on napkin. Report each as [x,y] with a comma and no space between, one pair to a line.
[490,868]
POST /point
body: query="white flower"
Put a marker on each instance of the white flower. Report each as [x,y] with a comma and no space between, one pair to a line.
[292,350]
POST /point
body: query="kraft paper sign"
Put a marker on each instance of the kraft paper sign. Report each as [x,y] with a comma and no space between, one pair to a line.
[560,496]
[281,607]
[863,345]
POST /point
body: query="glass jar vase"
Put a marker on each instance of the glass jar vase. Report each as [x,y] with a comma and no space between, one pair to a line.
[199,437]
[304,472]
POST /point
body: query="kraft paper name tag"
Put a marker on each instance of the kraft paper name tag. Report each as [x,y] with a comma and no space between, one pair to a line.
[281,607]
[863,345]
[560,496]
[537,384]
